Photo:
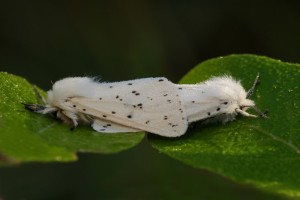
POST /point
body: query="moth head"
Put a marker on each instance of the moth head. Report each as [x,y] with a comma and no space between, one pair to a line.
[246,103]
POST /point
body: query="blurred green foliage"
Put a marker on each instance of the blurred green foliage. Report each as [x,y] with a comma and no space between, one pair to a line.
[120,40]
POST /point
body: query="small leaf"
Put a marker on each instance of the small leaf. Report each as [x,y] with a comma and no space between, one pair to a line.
[27,136]
[261,152]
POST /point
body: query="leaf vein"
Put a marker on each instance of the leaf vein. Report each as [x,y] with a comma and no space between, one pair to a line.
[276,138]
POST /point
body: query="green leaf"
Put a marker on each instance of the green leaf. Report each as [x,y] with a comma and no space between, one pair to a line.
[27,136]
[257,151]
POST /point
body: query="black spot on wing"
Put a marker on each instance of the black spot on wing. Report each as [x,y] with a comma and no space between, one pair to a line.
[173,125]
[149,98]
[135,92]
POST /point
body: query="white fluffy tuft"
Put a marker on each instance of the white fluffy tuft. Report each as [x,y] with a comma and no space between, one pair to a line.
[218,98]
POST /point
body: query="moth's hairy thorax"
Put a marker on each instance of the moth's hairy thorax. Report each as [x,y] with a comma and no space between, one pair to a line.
[62,91]
[227,87]
[67,88]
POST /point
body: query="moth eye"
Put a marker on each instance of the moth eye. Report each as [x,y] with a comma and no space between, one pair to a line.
[242,107]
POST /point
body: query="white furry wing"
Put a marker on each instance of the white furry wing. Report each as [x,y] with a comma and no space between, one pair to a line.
[150,104]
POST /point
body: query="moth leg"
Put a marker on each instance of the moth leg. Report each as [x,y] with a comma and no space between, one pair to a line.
[244,113]
[251,90]
[72,117]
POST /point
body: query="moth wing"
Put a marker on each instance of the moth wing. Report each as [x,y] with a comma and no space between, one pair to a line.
[151,104]
[109,127]
[201,110]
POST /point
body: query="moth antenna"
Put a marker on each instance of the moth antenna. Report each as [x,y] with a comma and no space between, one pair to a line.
[260,113]
[252,89]
[34,107]
[38,94]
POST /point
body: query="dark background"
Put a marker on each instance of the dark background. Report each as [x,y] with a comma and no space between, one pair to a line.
[117,40]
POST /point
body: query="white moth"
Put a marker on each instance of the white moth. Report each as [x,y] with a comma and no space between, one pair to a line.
[149,104]
[217,99]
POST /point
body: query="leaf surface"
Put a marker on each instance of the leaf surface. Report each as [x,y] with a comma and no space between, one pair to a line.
[261,152]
